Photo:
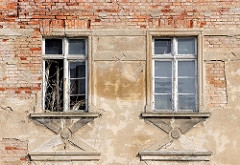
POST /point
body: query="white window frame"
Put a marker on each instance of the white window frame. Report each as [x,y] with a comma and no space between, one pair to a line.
[67,58]
[174,58]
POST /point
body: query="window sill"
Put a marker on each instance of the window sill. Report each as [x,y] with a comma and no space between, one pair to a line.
[64,114]
[175,114]
[64,156]
[175,155]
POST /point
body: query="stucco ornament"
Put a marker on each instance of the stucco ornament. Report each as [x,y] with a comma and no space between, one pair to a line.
[174,126]
[64,128]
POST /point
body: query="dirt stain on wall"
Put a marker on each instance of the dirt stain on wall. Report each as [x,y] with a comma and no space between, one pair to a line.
[124,80]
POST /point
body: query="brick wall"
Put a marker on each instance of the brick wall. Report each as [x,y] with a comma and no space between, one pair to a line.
[216,83]
[20,61]
[20,55]
[13,150]
[133,13]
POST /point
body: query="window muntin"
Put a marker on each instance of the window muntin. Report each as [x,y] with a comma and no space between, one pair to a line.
[67,89]
[175,75]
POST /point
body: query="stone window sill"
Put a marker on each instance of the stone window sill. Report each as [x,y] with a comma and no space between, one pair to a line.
[175,114]
[175,155]
[65,156]
[64,114]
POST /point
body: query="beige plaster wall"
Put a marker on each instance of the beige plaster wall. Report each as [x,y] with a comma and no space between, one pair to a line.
[119,95]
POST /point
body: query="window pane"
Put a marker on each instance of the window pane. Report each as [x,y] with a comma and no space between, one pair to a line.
[163,69]
[77,86]
[163,102]
[163,85]
[162,46]
[53,85]
[186,68]
[77,69]
[53,46]
[186,85]
[186,46]
[76,46]
[77,103]
[186,102]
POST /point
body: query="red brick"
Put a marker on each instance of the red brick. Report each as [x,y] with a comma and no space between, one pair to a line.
[23,58]
[35,49]
[61,17]
[2,89]
[23,159]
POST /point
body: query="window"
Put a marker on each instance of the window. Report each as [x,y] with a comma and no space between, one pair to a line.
[175,74]
[65,74]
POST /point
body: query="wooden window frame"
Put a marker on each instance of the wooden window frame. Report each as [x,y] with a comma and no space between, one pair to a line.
[150,56]
[87,57]
[174,58]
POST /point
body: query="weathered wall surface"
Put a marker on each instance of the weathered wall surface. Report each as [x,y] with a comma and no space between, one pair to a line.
[119,66]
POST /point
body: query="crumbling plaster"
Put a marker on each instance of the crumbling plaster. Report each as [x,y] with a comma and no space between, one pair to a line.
[119,133]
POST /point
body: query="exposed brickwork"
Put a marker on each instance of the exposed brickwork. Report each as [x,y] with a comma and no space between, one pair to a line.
[13,150]
[216,83]
[84,14]
[222,42]
[216,88]
[20,61]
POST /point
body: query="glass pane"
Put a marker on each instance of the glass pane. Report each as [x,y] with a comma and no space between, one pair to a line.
[163,102]
[76,46]
[163,69]
[77,86]
[186,102]
[186,85]
[186,68]
[53,85]
[53,46]
[163,85]
[186,46]
[162,46]
[77,103]
[77,69]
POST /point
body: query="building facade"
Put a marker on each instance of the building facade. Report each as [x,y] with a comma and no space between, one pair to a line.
[117,82]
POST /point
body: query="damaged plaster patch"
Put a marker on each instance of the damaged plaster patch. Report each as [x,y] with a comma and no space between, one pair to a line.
[50,145]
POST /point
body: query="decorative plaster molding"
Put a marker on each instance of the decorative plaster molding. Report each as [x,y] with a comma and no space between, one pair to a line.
[64,156]
[183,122]
[65,134]
[176,155]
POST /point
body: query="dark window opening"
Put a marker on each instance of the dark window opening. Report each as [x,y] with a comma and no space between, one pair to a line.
[54,85]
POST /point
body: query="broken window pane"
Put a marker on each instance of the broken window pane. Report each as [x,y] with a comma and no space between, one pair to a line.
[77,46]
[77,103]
[77,69]
[53,46]
[77,85]
[162,46]
[186,46]
[54,85]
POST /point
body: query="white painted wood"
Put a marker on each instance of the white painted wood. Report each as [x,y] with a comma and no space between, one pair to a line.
[66,70]
[174,57]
